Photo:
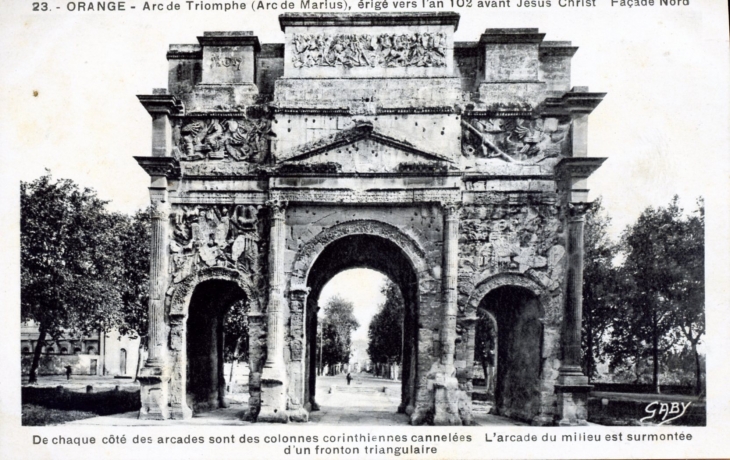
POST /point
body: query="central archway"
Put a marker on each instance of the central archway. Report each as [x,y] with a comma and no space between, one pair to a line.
[375,253]
[371,245]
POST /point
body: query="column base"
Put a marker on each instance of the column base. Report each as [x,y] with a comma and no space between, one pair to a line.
[572,404]
[273,396]
[444,386]
[181,412]
[154,392]
[299,414]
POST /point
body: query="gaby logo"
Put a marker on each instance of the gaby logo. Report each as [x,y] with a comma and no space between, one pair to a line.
[662,410]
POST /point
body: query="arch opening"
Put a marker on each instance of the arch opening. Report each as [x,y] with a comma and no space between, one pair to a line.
[381,255]
[211,302]
[517,315]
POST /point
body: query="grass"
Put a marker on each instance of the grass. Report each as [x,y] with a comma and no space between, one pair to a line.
[49,406]
[34,415]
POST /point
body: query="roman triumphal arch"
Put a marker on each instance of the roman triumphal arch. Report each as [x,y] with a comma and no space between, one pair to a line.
[458,169]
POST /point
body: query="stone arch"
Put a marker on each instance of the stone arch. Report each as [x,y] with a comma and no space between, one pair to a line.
[499,280]
[310,251]
[180,295]
[420,281]
[521,340]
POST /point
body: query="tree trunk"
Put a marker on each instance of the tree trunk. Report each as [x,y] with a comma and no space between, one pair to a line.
[142,341]
[33,377]
[233,364]
[698,381]
[589,352]
[655,354]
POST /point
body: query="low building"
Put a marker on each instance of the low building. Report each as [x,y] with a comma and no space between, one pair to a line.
[100,353]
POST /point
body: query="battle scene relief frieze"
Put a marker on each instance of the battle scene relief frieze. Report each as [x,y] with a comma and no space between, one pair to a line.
[520,140]
[231,139]
[425,49]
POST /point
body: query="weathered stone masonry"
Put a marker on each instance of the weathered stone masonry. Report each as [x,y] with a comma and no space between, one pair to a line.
[369,140]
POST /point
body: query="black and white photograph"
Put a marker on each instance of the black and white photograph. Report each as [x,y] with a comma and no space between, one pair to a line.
[338,229]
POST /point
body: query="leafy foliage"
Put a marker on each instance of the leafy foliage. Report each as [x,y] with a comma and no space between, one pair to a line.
[601,287]
[662,288]
[83,269]
[485,342]
[385,333]
[336,333]
[235,328]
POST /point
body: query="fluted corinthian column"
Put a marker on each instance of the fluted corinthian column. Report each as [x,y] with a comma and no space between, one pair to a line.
[443,374]
[273,378]
[159,216]
[570,370]
[572,386]
[450,280]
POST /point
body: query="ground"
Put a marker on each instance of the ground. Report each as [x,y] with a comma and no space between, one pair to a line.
[368,401]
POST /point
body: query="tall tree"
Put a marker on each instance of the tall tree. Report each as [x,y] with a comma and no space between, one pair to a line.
[336,334]
[385,333]
[689,291]
[601,280]
[664,259]
[135,239]
[235,329]
[70,254]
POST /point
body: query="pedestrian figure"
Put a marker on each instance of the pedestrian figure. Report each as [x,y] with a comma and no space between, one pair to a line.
[68,372]
[349,378]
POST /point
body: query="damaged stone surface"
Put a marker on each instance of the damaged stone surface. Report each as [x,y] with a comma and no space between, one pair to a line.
[457,169]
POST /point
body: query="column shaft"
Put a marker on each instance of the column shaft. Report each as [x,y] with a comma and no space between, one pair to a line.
[574,310]
[275,310]
[450,280]
[158,272]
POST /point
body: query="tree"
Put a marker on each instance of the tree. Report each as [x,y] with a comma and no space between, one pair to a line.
[664,285]
[689,291]
[336,333]
[235,330]
[601,280]
[70,254]
[485,341]
[385,333]
[135,239]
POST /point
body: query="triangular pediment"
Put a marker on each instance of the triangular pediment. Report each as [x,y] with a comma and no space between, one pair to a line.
[363,149]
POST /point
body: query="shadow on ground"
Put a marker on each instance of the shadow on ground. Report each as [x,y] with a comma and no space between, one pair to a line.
[53,400]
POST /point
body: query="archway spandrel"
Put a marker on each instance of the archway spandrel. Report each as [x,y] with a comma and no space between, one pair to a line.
[310,250]
[179,295]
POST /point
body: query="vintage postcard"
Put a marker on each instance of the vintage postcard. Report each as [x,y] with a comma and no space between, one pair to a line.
[447,229]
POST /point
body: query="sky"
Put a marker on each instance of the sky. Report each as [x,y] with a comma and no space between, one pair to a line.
[70,79]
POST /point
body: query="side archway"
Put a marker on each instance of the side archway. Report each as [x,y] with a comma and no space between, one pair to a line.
[516,303]
[197,307]
[178,301]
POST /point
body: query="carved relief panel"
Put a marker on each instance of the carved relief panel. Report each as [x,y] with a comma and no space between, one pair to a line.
[426,49]
[233,139]
[216,236]
[515,139]
[505,235]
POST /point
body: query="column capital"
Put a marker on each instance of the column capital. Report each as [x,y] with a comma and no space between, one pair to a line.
[159,210]
[451,209]
[579,210]
[277,208]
